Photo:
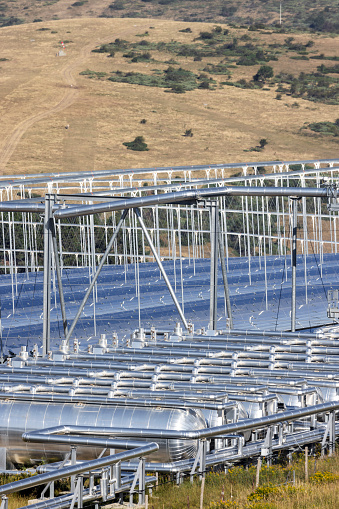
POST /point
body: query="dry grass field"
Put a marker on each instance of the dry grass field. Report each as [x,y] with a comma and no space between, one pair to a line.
[41,94]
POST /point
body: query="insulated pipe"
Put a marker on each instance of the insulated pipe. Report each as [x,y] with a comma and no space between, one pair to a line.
[100,400]
[77,469]
[237,427]
[96,275]
[24,179]
[49,437]
[187,196]
[273,334]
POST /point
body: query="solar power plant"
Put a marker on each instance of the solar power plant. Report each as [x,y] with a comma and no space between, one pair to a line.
[178,315]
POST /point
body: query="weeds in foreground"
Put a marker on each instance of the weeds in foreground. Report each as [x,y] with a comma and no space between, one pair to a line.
[280,486]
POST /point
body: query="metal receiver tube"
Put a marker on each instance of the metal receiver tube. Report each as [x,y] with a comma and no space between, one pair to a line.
[84,441]
[162,270]
[189,195]
[91,286]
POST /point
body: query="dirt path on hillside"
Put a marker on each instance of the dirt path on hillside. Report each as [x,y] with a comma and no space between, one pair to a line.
[70,96]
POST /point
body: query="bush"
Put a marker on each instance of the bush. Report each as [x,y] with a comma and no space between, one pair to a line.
[265,72]
[118,5]
[328,128]
[137,144]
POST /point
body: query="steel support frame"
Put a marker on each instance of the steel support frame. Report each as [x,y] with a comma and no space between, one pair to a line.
[91,286]
[267,449]
[78,493]
[58,273]
[330,433]
[200,460]
[161,267]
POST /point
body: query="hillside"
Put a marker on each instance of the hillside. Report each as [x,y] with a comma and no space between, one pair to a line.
[304,15]
[187,88]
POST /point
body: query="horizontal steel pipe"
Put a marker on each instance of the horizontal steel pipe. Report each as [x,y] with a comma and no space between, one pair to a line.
[184,196]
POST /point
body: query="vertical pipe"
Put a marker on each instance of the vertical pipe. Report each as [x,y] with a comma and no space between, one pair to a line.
[294,262]
[214,210]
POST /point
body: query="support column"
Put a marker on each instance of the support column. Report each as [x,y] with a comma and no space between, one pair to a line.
[214,212]
[49,202]
[294,262]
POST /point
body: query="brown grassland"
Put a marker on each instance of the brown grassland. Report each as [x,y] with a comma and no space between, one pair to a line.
[41,93]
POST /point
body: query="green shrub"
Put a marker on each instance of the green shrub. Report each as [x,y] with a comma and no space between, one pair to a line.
[328,128]
[137,144]
[265,72]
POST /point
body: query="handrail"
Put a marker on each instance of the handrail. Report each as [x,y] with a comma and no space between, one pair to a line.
[77,469]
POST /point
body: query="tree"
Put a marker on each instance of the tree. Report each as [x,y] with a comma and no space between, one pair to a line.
[263,142]
[264,73]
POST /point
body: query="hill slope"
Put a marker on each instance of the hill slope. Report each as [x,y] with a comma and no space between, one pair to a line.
[54,118]
[304,15]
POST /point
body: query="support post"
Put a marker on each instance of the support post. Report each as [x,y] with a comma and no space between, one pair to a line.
[73,462]
[214,213]
[224,276]
[3,458]
[294,262]
[266,450]
[49,201]
[162,270]
[257,475]
[140,479]
[200,460]
[306,464]
[4,503]
[78,494]
[101,264]
[330,432]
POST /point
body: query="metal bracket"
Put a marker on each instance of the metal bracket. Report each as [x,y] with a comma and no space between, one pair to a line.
[330,432]
[4,503]
[78,493]
[200,460]
[266,449]
[140,479]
